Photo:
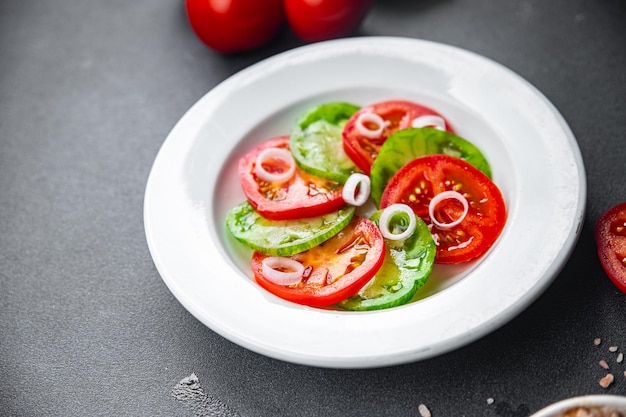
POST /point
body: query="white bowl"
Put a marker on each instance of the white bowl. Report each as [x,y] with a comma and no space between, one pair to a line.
[534,158]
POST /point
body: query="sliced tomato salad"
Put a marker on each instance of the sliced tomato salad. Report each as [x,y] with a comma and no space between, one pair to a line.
[467,222]
[610,235]
[333,270]
[368,128]
[310,241]
[303,195]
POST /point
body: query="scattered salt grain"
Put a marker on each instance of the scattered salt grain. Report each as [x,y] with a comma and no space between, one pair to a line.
[613,349]
[489,400]
[597,341]
[424,411]
[604,364]
[606,380]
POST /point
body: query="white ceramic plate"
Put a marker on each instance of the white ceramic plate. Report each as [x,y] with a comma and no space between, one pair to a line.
[595,402]
[534,157]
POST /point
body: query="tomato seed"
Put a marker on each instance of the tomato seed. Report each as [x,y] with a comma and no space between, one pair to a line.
[620,229]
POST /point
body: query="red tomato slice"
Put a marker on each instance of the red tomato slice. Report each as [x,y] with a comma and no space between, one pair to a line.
[334,270]
[304,195]
[398,113]
[420,180]
[610,234]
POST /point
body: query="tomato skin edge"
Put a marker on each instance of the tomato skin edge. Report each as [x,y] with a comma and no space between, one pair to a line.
[614,269]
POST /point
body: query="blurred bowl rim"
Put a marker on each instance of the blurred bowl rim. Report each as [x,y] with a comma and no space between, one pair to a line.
[600,400]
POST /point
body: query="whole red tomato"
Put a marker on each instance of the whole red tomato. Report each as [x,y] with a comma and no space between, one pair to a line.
[235,25]
[318,20]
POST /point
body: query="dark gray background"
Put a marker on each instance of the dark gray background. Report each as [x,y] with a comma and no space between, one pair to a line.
[88,92]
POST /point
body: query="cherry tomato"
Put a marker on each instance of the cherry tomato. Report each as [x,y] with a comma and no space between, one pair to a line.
[335,269]
[304,195]
[318,20]
[396,114]
[420,180]
[610,234]
[235,25]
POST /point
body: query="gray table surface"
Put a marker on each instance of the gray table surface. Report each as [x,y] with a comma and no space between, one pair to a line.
[88,92]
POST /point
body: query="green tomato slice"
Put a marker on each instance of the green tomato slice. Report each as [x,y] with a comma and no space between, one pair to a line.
[408,144]
[284,237]
[316,141]
[406,268]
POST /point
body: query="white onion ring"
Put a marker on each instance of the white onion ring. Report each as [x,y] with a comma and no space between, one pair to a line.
[270,271]
[349,192]
[388,214]
[429,121]
[368,117]
[275,153]
[444,196]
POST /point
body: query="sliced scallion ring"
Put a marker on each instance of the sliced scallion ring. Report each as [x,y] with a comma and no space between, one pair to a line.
[388,215]
[356,190]
[370,118]
[280,154]
[429,121]
[281,270]
[432,206]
